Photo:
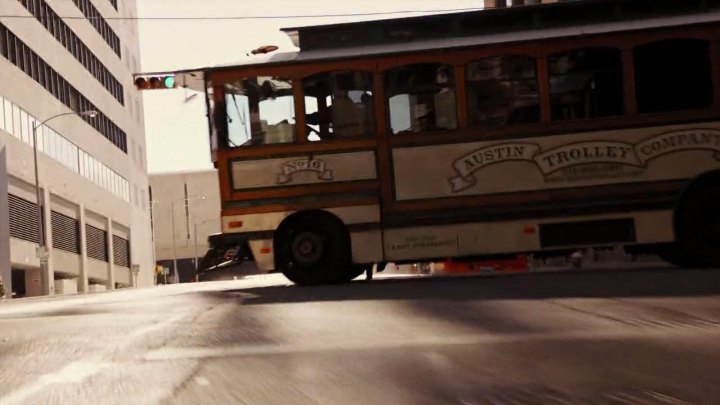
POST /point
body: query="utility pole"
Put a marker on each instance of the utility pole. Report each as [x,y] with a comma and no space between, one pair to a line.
[174,249]
[196,246]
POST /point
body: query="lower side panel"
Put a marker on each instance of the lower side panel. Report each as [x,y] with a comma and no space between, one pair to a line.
[527,235]
[411,243]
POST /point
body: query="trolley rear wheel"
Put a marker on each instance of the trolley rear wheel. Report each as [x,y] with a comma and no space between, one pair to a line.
[313,248]
[698,226]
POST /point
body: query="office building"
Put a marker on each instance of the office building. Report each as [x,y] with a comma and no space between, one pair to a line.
[70,62]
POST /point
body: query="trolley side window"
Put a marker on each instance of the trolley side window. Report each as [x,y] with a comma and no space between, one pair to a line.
[259,111]
[502,90]
[339,105]
[586,83]
[421,98]
[673,75]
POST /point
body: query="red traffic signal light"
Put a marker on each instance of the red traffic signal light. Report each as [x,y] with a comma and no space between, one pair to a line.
[154,82]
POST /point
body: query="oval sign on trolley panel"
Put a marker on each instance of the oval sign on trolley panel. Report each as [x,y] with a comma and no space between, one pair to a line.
[298,170]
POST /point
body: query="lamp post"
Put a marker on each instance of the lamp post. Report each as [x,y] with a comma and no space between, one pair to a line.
[174,249]
[42,252]
[153,225]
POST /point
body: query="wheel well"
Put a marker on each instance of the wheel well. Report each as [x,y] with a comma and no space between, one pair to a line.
[304,215]
[698,183]
[219,244]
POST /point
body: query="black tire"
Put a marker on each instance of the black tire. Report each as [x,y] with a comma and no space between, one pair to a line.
[313,249]
[698,227]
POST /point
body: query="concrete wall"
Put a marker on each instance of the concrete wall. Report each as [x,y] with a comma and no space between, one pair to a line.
[123,275]
[65,286]
[66,263]
[97,270]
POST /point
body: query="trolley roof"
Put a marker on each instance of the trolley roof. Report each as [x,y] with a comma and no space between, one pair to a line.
[554,20]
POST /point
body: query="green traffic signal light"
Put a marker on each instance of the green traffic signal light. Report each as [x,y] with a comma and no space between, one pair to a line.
[154,82]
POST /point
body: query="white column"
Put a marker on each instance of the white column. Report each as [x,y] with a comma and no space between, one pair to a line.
[131,260]
[111,253]
[48,289]
[5,268]
[82,282]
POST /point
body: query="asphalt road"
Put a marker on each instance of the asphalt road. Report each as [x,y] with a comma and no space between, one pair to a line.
[621,337]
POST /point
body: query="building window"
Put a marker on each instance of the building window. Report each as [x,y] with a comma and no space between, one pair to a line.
[259,111]
[98,22]
[673,75]
[61,89]
[24,130]
[421,98]
[23,219]
[16,121]
[502,90]
[586,83]
[47,143]
[121,251]
[2,113]
[3,42]
[96,243]
[65,233]
[339,105]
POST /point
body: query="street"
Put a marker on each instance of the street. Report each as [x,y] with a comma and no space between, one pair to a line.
[591,337]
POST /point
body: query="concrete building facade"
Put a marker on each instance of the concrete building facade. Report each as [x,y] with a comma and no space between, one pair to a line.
[60,59]
[185,211]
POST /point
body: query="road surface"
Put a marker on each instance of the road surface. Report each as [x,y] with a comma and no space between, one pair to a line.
[620,337]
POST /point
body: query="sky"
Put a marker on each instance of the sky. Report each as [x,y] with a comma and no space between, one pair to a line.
[175,126]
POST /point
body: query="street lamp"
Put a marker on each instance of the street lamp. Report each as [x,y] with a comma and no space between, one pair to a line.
[42,252]
[153,225]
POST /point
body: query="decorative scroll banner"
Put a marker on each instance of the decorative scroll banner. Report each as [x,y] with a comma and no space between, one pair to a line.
[582,153]
[467,165]
[303,165]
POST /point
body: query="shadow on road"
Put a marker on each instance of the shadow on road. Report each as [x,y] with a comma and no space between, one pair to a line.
[579,284]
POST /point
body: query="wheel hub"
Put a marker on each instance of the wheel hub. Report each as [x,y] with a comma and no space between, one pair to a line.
[307,248]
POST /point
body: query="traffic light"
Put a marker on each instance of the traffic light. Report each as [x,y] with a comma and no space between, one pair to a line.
[154,82]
